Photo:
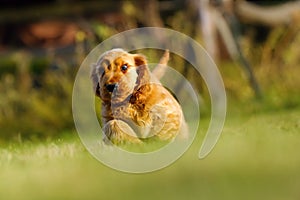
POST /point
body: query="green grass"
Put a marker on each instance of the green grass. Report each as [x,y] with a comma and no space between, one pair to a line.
[257,157]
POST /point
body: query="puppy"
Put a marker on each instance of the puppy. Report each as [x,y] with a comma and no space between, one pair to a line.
[134,103]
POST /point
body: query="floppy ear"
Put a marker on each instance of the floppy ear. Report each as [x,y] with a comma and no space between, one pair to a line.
[95,81]
[142,70]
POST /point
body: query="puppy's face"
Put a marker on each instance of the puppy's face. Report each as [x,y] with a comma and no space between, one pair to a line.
[118,71]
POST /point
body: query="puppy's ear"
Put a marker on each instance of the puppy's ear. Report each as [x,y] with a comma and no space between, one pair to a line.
[95,81]
[142,70]
[139,60]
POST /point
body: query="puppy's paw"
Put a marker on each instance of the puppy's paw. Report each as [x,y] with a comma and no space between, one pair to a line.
[119,132]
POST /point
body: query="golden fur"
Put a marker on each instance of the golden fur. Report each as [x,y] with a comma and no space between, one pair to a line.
[134,103]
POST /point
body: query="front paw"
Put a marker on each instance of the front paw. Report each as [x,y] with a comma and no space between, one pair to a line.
[119,132]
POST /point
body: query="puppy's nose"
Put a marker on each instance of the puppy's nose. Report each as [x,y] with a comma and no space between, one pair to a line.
[110,87]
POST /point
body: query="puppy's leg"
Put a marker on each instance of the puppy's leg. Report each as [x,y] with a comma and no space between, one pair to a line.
[118,132]
[160,69]
[184,130]
[174,126]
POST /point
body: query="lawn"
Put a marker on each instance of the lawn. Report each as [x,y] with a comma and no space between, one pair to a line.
[257,157]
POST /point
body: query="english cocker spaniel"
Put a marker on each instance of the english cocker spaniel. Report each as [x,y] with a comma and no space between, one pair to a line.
[135,105]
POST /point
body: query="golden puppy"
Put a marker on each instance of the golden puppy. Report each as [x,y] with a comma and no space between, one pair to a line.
[134,103]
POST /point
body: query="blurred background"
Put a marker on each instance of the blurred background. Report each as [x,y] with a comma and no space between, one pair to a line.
[42,43]
[255,45]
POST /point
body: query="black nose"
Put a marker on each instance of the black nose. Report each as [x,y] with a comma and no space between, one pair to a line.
[110,87]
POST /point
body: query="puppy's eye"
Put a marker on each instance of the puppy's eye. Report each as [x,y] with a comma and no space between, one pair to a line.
[124,68]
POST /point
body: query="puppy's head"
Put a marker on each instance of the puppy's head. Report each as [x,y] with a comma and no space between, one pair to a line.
[117,69]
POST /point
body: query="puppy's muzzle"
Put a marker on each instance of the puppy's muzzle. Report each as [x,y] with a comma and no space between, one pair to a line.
[110,87]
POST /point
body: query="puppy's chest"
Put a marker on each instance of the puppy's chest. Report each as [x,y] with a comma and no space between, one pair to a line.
[145,122]
[133,113]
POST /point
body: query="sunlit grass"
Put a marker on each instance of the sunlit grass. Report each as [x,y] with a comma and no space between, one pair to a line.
[147,145]
[257,157]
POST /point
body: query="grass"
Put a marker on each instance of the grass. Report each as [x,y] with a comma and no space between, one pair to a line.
[257,157]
